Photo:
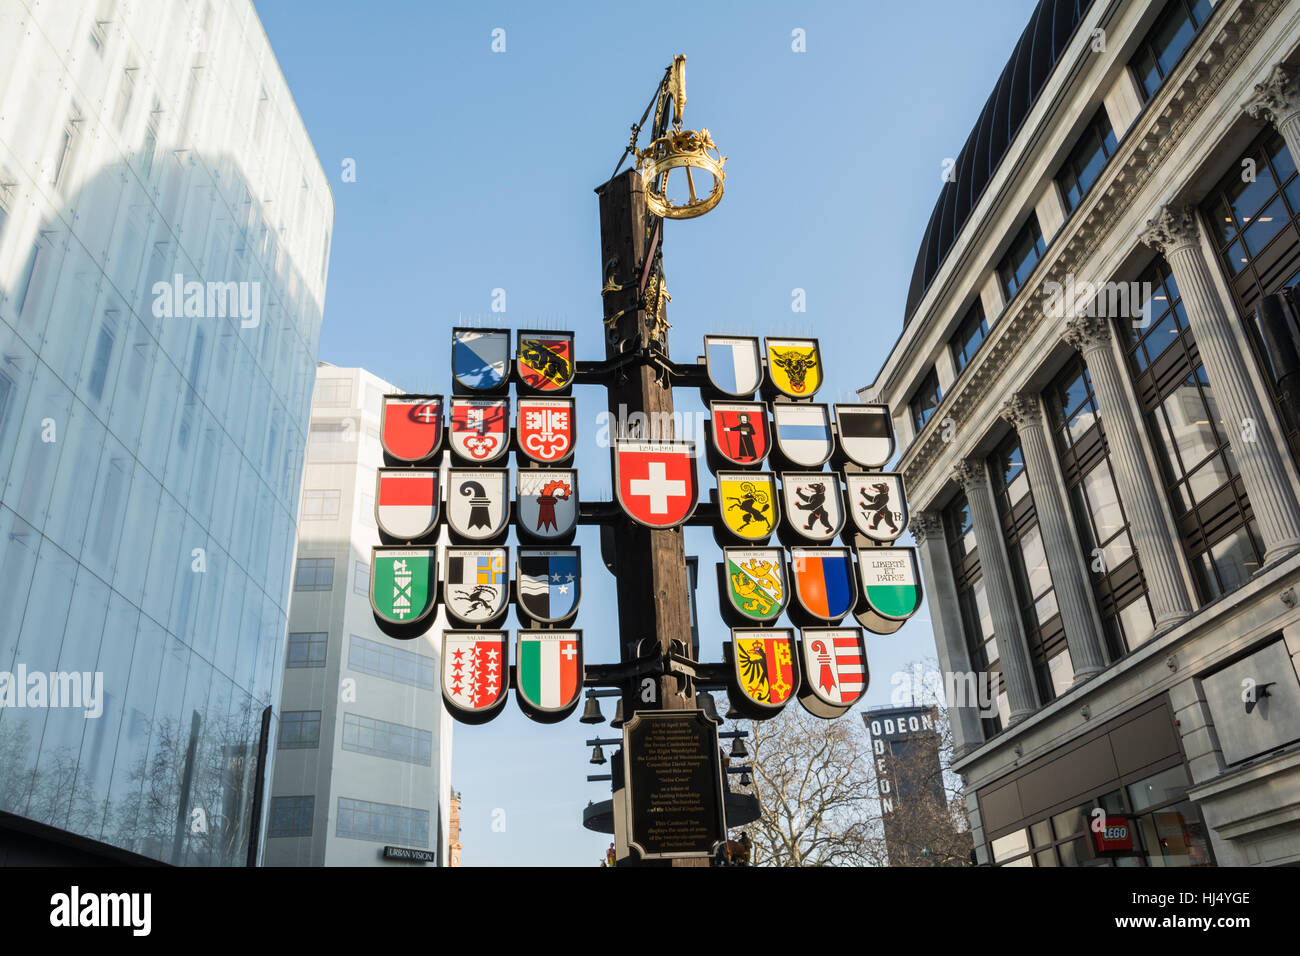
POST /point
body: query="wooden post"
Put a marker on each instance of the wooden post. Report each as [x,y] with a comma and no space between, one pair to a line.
[651,576]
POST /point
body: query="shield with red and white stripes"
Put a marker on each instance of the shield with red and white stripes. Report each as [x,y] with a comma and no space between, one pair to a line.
[835,664]
[406,502]
[475,673]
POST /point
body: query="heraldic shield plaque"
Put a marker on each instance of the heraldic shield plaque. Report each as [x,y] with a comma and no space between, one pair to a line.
[673,784]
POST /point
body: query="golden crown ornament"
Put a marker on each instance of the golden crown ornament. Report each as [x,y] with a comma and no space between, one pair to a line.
[684,149]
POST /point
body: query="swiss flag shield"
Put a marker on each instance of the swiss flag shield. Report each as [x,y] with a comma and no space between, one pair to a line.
[656,481]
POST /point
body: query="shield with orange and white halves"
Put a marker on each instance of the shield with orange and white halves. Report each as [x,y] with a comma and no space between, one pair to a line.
[764,675]
[835,673]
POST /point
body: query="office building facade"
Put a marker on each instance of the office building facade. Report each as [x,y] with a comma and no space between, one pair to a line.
[164,242]
[363,754]
[1102,473]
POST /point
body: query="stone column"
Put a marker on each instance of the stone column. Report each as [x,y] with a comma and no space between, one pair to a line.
[950,636]
[1277,101]
[1013,648]
[1221,341]
[1064,562]
[1143,504]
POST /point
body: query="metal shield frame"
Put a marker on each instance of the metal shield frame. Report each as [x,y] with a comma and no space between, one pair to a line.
[568,401]
[413,399]
[755,476]
[831,478]
[764,633]
[758,355]
[689,451]
[519,582]
[451,552]
[785,576]
[377,552]
[535,711]
[853,579]
[889,424]
[501,386]
[864,477]
[780,445]
[517,359]
[463,714]
[503,400]
[800,343]
[762,411]
[530,533]
[437,498]
[459,474]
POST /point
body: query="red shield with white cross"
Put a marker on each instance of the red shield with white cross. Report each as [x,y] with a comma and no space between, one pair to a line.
[546,429]
[475,673]
[411,430]
[656,481]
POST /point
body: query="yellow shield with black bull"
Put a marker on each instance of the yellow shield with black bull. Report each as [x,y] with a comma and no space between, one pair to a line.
[794,366]
[748,503]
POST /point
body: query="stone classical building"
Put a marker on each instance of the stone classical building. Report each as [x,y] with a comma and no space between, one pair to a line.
[1103,482]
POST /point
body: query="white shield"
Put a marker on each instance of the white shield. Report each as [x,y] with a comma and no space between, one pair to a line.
[813,506]
[548,502]
[866,434]
[803,433]
[478,502]
[877,504]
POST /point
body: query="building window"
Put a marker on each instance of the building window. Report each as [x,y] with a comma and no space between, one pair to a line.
[382,823]
[390,663]
[1099,516]
[926,400]
[1026,249]
[325,439]
[1039,614]
[299,730]
[307,649]
[66,147]
[1255,227]
[1166,42]
[291,816]
[1085,163]
[314,574]
[361,578]
[970,335]
[320,504]
[333,393]
[976,618]
[380,738]
[25,282]
[1190,440]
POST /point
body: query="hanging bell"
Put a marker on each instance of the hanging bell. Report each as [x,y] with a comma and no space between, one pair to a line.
[591,712]
[732,713]
[738,748]
[597,755]
[704,701]
[617,722]
[745,780]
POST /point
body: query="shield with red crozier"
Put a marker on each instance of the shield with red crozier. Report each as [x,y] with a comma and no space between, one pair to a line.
[656,482]
[411,429]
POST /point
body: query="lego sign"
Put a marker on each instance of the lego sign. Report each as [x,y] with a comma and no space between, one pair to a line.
[1112,835]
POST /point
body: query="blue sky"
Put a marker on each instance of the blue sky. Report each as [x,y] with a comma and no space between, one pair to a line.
[475,171]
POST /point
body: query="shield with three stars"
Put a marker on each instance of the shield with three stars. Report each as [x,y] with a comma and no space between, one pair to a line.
[655,482]
[477,584]
[763,667]
[475,674]
[549,582]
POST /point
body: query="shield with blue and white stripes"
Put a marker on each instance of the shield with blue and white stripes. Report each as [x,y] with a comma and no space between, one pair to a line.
[480,359]
[803,433]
